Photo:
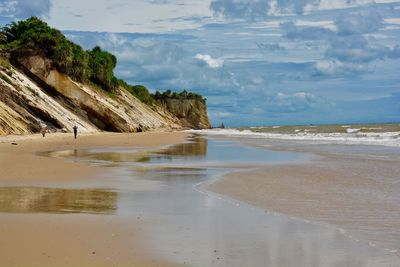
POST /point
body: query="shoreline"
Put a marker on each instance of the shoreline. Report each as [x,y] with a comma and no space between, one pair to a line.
[48,239]
[325,189]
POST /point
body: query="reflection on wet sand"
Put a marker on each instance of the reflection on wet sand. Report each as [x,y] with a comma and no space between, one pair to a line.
[186,224]
[196,147]
[117,156]
[53,200]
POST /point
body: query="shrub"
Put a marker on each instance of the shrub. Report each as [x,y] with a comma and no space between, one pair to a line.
[168,94]
[95,65]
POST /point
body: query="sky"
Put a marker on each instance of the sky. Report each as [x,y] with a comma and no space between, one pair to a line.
[258,62]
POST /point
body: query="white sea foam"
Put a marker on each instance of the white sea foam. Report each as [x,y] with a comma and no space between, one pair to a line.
[351,130]
[371,138]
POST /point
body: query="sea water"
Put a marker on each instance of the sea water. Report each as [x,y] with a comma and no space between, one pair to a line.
[365,134]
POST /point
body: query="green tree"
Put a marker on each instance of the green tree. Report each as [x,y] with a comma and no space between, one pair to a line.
[102,65]
[142,93]
[95,65]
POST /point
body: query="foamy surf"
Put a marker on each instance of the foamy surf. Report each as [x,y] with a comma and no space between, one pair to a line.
[351,136]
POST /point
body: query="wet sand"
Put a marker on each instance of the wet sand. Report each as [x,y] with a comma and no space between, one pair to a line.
[126,203]
[186,225]
[355,191]
[21,164]
[37,232]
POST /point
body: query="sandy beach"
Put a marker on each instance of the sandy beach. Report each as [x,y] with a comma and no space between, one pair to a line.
[354,192]
[220,133]
[48,239]
[142,200]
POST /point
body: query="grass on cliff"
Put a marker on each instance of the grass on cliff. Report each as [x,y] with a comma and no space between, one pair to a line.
[94,66]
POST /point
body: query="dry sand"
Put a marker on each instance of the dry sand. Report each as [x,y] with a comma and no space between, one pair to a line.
[43,239]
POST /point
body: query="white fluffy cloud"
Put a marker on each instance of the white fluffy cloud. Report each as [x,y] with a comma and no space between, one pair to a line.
[213,63]
[337,68]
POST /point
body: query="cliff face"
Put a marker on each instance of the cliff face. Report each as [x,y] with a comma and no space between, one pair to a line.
[26,108]
[190,112]
[34,94]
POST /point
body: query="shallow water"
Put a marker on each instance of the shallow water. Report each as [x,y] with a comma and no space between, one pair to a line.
[54,200]
[183,223]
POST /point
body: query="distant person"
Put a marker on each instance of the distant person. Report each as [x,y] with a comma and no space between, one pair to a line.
[75,131]
[43,131]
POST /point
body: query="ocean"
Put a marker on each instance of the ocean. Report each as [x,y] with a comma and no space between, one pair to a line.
[367,134]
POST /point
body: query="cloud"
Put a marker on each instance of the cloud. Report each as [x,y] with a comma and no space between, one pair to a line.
[356,49]
[338,68]
[292,31]
[359,22]
[77,15]
[294,102]
[25,8]
[354,23]
[253,10]
[294,6]
[159,2]
[347,49]
[394,52]
[213,63]
[340,4]
[259,9]
[242,9]
[193,19]
[270,47]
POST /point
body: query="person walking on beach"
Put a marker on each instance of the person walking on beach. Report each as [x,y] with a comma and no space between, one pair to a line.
[75,131]
[43,130]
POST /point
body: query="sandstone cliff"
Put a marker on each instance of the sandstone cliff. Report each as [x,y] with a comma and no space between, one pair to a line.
[190,112]
[33,94]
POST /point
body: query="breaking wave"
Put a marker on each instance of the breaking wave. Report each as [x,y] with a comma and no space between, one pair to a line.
[351,136]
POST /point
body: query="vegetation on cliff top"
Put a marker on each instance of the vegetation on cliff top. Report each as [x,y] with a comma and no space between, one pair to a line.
[174,95]
[69,58]
[96,65]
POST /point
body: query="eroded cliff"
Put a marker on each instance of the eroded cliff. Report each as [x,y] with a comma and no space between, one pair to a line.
[191,113]
[47,81]
[33,95]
